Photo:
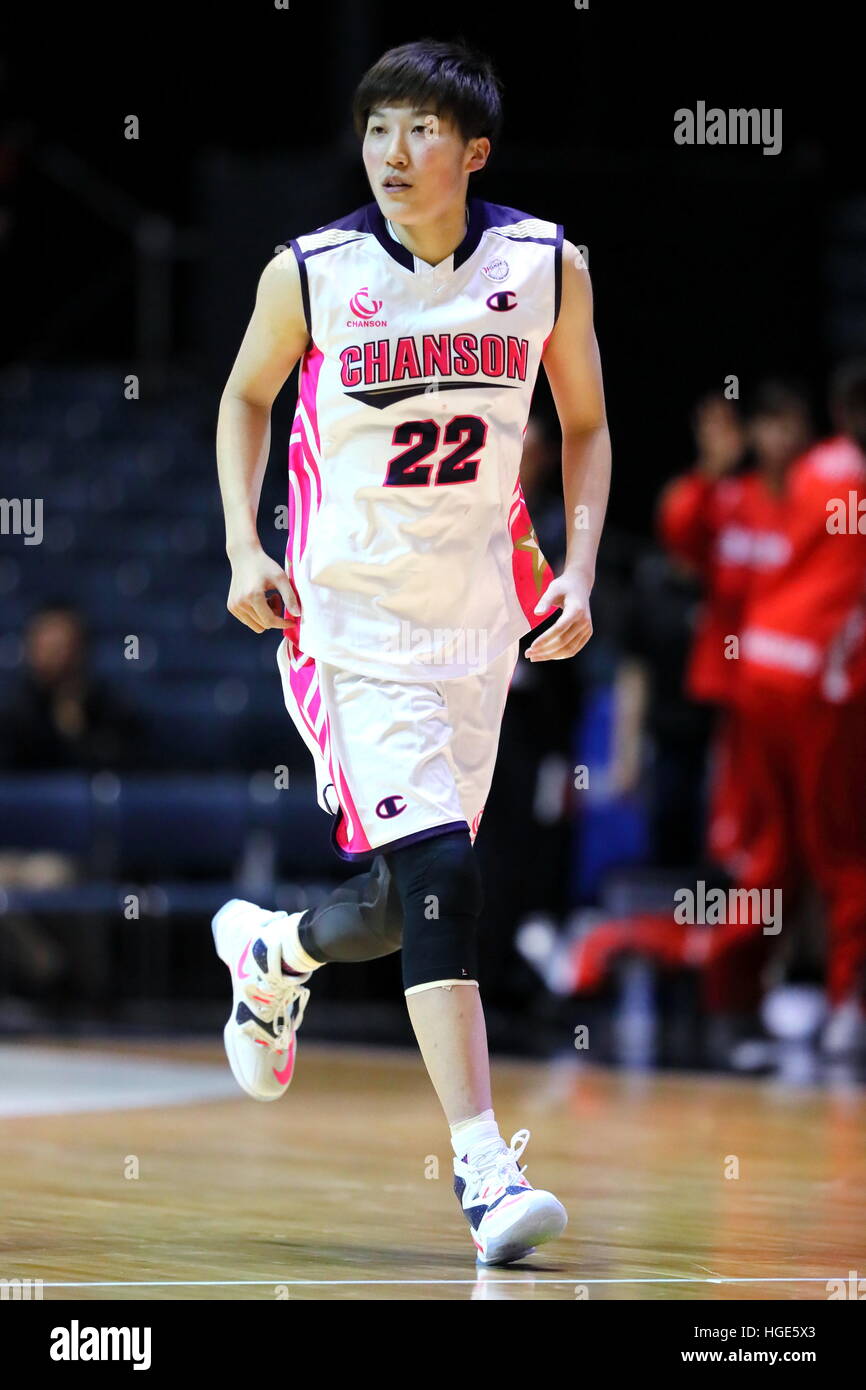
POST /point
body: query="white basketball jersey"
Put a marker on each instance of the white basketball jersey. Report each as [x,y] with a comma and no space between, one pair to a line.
[410,547]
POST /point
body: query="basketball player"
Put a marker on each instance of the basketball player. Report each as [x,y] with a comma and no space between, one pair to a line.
[411,572]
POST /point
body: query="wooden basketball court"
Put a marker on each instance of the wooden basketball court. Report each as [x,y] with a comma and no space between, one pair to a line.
[148,1175]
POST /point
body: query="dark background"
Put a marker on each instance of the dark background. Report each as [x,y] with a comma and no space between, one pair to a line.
[705,261]
[143,256]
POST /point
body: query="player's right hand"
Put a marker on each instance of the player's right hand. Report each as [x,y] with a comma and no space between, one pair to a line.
[254,575]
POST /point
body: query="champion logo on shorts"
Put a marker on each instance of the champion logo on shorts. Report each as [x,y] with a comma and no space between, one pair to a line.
[390,806]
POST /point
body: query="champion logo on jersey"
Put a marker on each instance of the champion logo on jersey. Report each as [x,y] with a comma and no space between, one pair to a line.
[502,301]
[365,308]
[497,269]
[390,806]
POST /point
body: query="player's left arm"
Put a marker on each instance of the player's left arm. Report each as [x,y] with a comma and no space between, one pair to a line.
[571,360]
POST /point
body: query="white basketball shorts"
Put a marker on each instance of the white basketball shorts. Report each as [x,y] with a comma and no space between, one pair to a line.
[397,761]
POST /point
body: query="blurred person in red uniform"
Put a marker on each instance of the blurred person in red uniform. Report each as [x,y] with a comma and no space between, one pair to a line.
[800,693]
[652,706]
[729,526]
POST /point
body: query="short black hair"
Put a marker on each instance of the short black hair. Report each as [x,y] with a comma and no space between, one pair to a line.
[713,396]
[57,604]
[452,78]
[848,385]
[780,396]
[848,399]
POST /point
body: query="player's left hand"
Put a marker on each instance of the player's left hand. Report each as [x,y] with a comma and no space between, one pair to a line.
[573,628]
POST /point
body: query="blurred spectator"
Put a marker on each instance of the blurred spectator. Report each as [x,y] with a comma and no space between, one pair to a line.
[60,718]
[728,526]
[653,701]
[801,692]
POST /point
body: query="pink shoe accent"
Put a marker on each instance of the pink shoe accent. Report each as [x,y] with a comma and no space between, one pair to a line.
[284,1075]
[243,974]
[507,1202]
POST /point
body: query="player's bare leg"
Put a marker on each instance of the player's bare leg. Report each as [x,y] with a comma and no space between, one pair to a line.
[439,884]
[448,1021]
[507,1217]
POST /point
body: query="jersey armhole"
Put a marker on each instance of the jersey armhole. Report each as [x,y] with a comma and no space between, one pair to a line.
[305,285]
[557,273]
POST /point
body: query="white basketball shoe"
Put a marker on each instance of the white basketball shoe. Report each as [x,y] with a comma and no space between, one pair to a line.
[507,1217]
[267,1005]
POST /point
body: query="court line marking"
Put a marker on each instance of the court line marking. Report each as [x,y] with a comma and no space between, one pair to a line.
[364,1283]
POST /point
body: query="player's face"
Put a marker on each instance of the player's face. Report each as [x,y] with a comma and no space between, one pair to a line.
[777,439]
[423,151]
[717,428]
[53,646]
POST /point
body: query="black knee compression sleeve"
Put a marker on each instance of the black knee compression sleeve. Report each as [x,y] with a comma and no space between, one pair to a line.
[361,920]
[439,882]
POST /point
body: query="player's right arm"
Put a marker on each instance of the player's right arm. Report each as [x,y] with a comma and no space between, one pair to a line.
[275,339]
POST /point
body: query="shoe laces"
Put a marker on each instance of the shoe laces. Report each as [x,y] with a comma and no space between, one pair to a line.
[274,998]
[501,1166]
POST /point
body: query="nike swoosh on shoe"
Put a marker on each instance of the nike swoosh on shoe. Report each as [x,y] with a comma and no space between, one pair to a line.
[244,974]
